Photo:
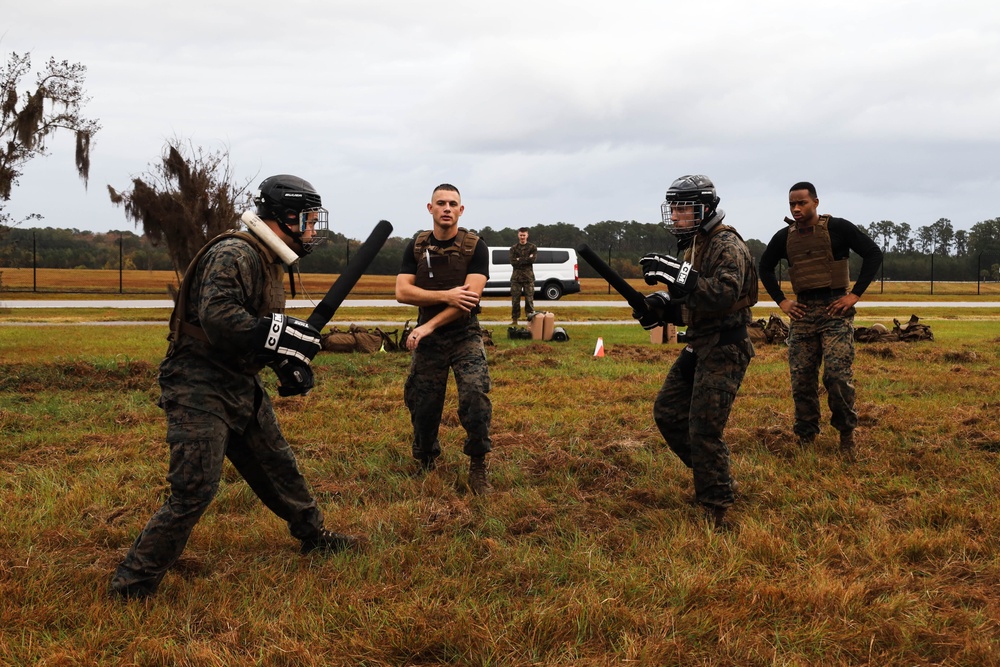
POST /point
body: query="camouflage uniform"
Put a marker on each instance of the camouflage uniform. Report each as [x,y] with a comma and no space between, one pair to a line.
[522,279]
[820,337]
[217,408]
[693,405]
[462,351]
[818,258]
[456,346]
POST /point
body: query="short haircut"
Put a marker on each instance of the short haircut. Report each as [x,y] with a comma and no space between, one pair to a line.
[522,229]
[447,187]
[804,185]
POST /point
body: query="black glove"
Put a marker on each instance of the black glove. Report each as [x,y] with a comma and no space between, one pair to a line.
[679,277]
[657,307]
[295,378]
[284,338]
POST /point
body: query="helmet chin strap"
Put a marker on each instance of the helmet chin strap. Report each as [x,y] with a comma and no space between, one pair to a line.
[296,236]
[260,229]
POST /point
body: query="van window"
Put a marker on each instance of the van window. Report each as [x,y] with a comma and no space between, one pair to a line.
[543,257]
[551,257]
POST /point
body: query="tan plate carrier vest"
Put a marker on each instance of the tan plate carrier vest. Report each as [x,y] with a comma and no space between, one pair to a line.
[449,266]
[810,258]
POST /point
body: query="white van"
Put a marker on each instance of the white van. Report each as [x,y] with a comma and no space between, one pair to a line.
[557,272]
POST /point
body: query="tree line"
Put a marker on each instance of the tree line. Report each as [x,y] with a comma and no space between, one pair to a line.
[189,195]
[949,254]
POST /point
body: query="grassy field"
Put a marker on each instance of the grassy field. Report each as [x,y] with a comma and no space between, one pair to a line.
[586,554]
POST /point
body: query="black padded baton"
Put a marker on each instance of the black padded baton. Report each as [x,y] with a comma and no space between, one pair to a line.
[632,295]
[352,274]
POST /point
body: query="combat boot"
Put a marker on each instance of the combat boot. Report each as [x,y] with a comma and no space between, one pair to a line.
[477,476]
[122,591]
[847,446]
[717,515]
[127,584]
[691,498]
[330,542]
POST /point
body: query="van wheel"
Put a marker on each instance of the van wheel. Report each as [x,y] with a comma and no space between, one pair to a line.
[552,291]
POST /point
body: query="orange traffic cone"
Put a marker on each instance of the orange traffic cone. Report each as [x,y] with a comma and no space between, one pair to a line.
[599,350]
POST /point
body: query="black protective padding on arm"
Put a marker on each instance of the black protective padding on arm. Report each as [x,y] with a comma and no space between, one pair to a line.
[335,296]
[631,295]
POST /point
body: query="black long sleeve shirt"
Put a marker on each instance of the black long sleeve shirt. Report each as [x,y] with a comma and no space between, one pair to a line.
[845,236]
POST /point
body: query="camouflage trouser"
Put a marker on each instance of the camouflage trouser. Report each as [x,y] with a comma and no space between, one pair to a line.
[517,288]
[199,442]
[424,393]
[691,412]
[821,338]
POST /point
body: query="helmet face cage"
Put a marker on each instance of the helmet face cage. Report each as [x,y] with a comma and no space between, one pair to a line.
[318,219]
[677,211]
[689,198]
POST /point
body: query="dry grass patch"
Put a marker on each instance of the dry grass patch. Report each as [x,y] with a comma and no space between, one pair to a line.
[587,554]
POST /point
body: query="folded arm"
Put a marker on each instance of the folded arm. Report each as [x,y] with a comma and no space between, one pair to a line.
[458,302]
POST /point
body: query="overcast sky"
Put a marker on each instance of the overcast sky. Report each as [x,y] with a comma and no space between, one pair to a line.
[540,112]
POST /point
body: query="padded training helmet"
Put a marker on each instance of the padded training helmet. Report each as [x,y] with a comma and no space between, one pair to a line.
[691,195]
[294,203]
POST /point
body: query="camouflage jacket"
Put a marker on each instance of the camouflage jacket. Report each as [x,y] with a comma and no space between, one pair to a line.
[726,267]
[228,293]
[522,258]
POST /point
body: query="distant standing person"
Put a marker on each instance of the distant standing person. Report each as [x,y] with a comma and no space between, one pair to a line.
[818,248]
[228,325]
[710,290]
[522,277]
[443,273]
